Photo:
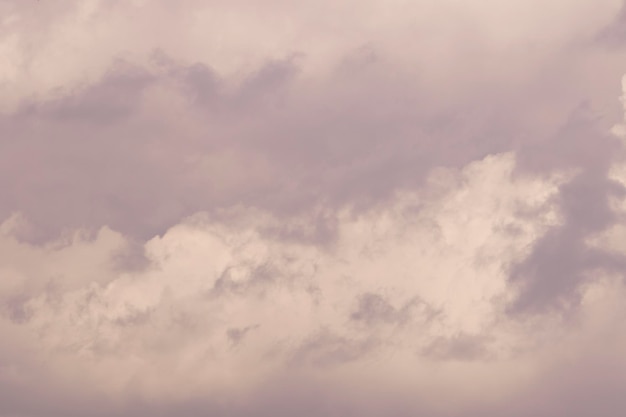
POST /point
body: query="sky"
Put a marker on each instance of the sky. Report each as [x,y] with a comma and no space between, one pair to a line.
[244,208]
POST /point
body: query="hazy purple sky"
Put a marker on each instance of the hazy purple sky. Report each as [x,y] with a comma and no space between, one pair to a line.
[315,208]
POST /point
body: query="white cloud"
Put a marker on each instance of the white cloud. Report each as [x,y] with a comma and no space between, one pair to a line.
[228,306]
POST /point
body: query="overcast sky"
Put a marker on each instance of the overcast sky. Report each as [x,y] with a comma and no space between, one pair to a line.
[314,208]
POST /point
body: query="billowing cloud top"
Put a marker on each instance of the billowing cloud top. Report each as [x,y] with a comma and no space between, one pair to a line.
[316,208]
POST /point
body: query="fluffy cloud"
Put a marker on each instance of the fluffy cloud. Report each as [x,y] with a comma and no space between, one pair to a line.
[366,208]
[225,308]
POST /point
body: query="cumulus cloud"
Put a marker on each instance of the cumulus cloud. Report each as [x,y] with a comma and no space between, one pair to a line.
[226,308]
[367,208]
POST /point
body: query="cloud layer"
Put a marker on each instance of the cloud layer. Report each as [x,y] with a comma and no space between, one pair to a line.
[357,209]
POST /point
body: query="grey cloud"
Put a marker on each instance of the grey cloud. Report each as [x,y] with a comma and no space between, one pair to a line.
[461,347]
[206,89]
[15,309]
[267,82]
[562,260]
[200,83]
[615,33]
[351,140]
[560,395]
[374,309]
[237,335]
[326,349]
[65,175]
[110,101]
[130,258]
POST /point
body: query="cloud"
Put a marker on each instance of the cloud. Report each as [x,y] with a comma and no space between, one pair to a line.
[339,118]
[366,208]
[562,258]
[205,310]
